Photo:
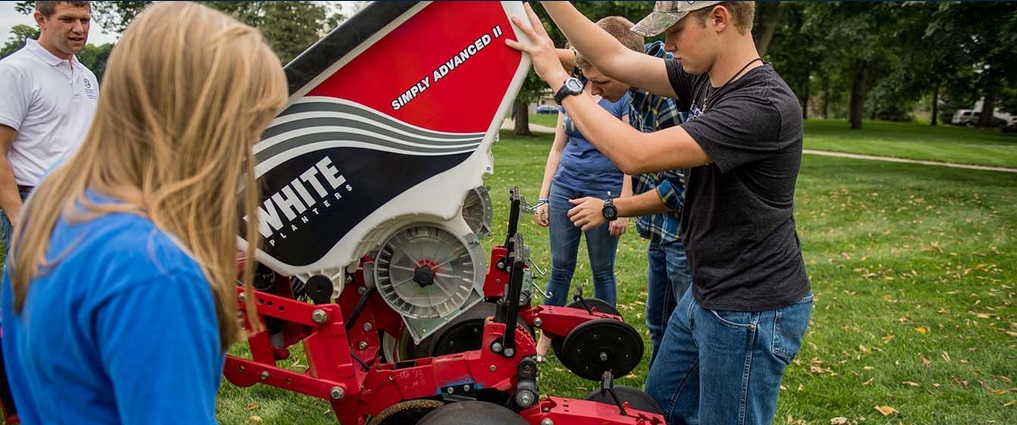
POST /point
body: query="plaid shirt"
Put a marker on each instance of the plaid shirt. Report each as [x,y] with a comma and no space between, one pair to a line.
[648,113]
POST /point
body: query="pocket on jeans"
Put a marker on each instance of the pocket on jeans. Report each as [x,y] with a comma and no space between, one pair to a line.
[736,319]
[789,326]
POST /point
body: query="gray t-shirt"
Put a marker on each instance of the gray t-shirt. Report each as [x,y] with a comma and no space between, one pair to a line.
[738,222]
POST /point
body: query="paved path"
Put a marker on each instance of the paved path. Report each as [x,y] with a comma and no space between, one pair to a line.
[537,128]
[910,161]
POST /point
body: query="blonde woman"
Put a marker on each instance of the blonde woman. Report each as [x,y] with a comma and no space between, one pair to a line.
[119,296]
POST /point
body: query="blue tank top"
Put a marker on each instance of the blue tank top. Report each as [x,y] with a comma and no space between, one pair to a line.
[582,167]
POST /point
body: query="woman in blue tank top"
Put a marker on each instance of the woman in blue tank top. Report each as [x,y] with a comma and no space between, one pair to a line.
[575,169]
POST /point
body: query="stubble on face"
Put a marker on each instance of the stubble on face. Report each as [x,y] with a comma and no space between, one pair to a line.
[67,28]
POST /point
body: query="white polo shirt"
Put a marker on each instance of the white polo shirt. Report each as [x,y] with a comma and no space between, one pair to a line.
[50,102]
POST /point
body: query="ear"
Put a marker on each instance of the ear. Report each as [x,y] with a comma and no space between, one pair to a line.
[39,20]
[720,16]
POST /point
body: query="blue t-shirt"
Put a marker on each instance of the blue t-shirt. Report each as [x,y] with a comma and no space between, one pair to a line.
[582,167]
[121,330]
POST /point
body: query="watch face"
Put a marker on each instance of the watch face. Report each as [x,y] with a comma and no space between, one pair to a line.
[574,85]
[610,211]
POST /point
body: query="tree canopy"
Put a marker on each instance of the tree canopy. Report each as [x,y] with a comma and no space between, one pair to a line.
[874,60]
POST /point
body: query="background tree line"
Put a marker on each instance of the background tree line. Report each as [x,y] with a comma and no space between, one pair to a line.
[854,60]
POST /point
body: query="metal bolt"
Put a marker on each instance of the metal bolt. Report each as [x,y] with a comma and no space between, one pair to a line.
[538,322]
[509,352]
[242,368]
[466,388]
[525,398]
[368,326]
[337,393]
[264,375]
[496,347]
[362,345]
[546,421]
[361,290]
[242,298]
[451,390]
[319,316]
[493,368]
[603,356]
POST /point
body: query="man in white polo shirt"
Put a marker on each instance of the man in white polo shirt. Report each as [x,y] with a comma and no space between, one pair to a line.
[49,101]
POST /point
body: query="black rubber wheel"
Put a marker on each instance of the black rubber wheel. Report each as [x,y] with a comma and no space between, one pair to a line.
[636,398]
[595,304]
[472,412]
[601,345]
[466,332]
[405,412]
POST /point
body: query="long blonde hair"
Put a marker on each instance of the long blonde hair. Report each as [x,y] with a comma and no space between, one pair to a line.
[187,91]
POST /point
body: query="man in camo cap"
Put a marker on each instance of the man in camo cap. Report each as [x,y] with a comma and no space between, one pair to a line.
[734,332]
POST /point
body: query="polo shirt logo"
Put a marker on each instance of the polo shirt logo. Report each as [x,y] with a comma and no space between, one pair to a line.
[90,91]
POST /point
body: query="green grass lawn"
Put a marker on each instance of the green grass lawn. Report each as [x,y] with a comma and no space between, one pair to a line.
[909,140]
[913,140]
[547,120]
[913,267]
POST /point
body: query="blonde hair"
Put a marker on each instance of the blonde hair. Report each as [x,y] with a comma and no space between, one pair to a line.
[188,90]
[619,28]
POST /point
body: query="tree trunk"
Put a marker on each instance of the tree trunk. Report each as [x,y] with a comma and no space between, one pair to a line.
[988,103]
[521,115]
[769,18]
[935,105]
[857,105]
[805,100]
[826,97]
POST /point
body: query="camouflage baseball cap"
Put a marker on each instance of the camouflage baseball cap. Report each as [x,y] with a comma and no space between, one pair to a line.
[665,14]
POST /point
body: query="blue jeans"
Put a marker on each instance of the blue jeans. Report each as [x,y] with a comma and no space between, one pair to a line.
[725,367]
[5,223]
[565,247]
[667,279]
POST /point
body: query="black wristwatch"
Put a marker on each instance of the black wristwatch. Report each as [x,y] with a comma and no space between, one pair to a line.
[610,211]
[571,87]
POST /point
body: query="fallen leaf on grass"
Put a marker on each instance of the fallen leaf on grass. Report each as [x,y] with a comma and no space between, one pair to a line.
[946,356]
[922,330]
[886,410]
[912,384]
[253,406]
[254,419]
[869,382]
[840,420]
[1010,403]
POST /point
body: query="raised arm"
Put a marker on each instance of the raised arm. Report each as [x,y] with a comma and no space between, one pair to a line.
[662,150]
[605,52]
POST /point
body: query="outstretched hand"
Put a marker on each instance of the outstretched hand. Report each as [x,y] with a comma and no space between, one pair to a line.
[587,213]
[540,48]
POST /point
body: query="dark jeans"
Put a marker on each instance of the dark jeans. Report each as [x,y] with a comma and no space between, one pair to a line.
[5,224]
[667,279]
[565,247]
